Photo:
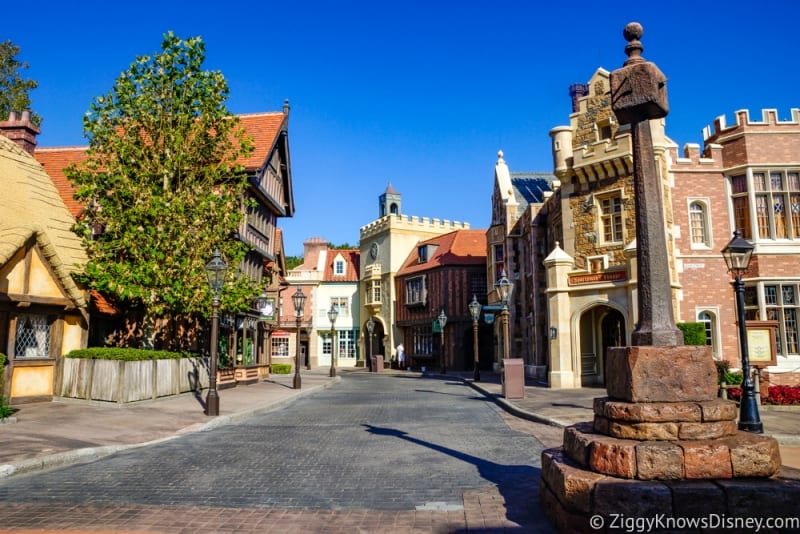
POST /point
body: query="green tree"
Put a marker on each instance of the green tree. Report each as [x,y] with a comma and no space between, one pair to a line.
[161,181]
[293,261]
[14,89]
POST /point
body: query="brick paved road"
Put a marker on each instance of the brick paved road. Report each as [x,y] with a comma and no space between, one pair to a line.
[375,453]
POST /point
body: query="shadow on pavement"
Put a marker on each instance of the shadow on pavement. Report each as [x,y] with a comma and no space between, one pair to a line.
[518,484]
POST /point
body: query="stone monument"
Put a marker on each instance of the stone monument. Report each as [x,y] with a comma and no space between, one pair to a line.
[661,444]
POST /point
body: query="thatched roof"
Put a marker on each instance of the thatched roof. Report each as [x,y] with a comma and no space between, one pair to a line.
[33,208]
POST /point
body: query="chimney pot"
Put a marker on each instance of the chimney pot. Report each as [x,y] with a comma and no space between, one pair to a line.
[20,130]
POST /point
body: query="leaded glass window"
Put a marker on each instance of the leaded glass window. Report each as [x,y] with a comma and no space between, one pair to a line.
[32,337]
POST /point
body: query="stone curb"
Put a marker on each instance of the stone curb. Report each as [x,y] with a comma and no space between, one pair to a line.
[89,454]
[783,439]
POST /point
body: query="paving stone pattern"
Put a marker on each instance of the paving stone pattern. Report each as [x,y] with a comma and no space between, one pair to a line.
[383,443]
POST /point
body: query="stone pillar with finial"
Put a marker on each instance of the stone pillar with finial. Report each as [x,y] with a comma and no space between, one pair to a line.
[639,95]
[661,421]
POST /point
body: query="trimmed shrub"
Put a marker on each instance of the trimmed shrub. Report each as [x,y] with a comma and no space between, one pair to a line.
[281,368]
[5,409]
[126,354]
[734,378]
[693,333]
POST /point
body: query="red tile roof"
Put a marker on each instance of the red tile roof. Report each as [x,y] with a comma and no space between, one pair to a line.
[54,161]
[351,269]
[460,247]
[264,128]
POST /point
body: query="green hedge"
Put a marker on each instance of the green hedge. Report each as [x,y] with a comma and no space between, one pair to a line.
[693,333]
[281,368]
[5,409]
[125,354]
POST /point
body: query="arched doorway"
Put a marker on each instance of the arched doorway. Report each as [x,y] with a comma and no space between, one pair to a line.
[375,346]
[600,327]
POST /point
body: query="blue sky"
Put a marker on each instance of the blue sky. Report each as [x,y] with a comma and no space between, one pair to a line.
[419,94]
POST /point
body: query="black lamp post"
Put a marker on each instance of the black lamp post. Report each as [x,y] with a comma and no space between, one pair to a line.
[475,312]
[262,305]
[299,301]
[737,256]
[370,327]
[332,315]
[443,321]
[504,288]
[215,271]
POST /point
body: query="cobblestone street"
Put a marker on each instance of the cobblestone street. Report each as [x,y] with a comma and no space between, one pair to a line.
[373,453]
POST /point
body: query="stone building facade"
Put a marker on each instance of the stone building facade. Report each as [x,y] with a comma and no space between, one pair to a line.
[590,233]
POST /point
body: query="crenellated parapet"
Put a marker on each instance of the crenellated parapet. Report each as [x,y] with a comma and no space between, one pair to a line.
[410,222]
[715,132]
[693,158]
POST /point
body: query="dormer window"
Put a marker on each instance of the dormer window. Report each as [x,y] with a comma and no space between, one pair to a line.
[422,252]
[338,267]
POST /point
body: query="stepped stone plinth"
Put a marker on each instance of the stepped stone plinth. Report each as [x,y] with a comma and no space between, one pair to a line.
[641,458]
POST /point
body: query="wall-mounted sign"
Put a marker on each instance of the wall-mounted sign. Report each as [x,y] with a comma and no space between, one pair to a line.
[596,278]
[488,318]
[268,311]
[761,343]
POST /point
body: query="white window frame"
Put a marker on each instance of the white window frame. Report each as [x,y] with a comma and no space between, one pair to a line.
[339,267]
[346,339]
[342,305]
[713,313]
[279,346]
[612,217]
[704,205]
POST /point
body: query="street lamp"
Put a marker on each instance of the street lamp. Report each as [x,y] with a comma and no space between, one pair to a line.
[370,327]
[215,272]
[475,311]
[737,256]
[443,321]
[332,315]
[504,289]
[299,301]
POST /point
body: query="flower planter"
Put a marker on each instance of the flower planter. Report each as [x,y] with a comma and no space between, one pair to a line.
[247,374]
[130,381]
[226,378]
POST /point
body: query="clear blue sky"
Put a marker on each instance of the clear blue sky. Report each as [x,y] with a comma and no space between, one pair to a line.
[419,94]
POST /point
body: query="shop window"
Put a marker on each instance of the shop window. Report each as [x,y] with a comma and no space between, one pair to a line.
[280,346]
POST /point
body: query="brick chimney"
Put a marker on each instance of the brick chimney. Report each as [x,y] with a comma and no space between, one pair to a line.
[576,92]
[312,248]
[21,130]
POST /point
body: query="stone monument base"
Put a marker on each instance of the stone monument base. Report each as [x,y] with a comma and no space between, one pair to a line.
[664,454]
[577,499]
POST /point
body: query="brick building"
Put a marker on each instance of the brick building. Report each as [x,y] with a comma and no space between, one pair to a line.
[747,177]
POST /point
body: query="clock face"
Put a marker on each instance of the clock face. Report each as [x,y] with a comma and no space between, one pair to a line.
[373,250]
